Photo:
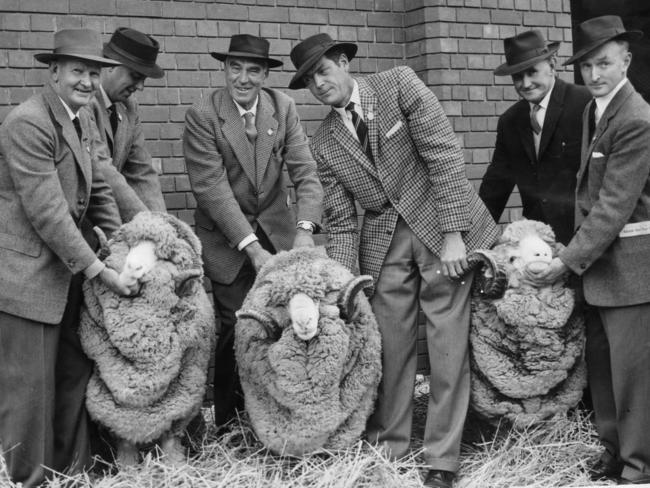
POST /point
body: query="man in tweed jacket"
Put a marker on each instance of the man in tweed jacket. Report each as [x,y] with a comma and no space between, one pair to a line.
[240,173]
[421,217]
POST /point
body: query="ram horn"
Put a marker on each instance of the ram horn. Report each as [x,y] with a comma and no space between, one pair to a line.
[104,251]
[184,282]
[265,319]
[348,293]
[490,279]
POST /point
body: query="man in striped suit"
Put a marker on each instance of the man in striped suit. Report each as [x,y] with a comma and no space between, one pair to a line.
[387,145]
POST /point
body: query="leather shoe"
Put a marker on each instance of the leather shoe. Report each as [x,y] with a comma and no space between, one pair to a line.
[437,478]
[602,470]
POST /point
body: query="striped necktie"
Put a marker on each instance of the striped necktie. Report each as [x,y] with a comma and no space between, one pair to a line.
[362,130]
[534,123]
[249,127]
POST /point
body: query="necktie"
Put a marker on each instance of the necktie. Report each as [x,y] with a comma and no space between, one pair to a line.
[77,127]
[592,119]
[112,116]
[534,123]
[249,127]
[362,130]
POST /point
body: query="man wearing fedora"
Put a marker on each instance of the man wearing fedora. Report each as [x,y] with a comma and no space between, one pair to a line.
[121,148]
[49,182]
[538,138]
[611,247]
[243,147]
[388,146]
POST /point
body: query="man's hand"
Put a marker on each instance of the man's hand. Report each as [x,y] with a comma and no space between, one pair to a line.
[111,279]
[303,238]
[453,255]
[257,254]
[549,275]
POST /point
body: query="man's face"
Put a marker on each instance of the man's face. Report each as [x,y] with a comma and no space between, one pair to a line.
[605,68]
[121,82]
[330,82]
[534,83]
[244,79]
[75,80]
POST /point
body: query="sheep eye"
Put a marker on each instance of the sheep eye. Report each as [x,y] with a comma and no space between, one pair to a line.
[512,259]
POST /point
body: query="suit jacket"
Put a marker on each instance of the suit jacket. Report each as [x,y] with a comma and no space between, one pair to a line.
[613,190]
[238,189]
[127,168]
[546,181]
[418,174]
[48,184]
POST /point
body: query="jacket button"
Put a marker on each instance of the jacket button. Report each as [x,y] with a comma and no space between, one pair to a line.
[81,201]
[71,263]
[583,266]
[584,212]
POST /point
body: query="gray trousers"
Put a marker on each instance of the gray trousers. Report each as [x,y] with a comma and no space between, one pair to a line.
[411,275]
[618,361]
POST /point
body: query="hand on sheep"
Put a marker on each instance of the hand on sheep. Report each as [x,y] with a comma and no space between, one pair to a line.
[257,254]
[453,255]
[303,239]
[549,275]
[112,280]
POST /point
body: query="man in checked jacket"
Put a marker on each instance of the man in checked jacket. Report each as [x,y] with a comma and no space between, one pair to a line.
[421,217]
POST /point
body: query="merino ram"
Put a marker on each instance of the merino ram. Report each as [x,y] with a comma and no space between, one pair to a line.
[309,353]
[527,342]
[151,349]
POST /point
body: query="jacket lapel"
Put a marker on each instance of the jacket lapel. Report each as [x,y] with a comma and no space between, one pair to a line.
[105,122]
[267,129]
[553,112]
[370,108]
[233,131]
[525,131]
[119,142]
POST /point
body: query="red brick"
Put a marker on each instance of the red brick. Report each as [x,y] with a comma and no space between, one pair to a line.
[474,46]
[539,19]
[52,6]
[185,27]
[538,5]
[364,4]
[9,40]
[472,15]
[15,22]
[11,77]
[522,4]
[269,14]
[139,9]
[167,183]
[506,4]
[270,31]
[477,31]
[308,16]
[505,17]
[141,24]
[21,59]
[183,10]
[186,45]
[102,7]
[478,139]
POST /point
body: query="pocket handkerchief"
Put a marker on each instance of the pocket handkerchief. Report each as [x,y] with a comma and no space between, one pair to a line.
[597,154]
[394,129]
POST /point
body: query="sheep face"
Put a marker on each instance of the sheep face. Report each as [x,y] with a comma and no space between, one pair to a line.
[535,254]
[140,260]
[304,316]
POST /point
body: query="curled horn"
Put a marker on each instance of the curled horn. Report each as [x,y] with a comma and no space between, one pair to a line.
[183,283]
[267,321]
[348,293]
[490,280]
[104,250]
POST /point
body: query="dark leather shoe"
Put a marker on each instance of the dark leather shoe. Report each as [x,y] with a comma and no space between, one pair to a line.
[640,481]
[601,470]
[437,478]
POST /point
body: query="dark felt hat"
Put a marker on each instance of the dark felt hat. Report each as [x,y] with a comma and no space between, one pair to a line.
[593,33]
[76,43]
[134,50]
[307,53]
[251,47]
[525,50]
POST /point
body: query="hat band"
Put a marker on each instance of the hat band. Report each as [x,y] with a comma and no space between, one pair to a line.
[530,54]
[608,34]
[76,51]
[131,57]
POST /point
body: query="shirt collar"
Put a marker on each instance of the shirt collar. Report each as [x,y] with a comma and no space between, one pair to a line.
[252,110]
[603,102]
[355,97]
[546,99]
[71,114]
[107,101]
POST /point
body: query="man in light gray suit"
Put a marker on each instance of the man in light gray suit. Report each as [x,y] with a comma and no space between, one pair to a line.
[49,182]
[611,248]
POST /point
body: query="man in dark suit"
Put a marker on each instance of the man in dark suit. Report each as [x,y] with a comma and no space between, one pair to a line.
[48,183]
[125,161]
[243,147]
[538,138]
[611,247]
[388,146]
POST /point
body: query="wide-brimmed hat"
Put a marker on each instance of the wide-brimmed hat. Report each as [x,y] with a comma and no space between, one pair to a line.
[307,53]
[76,43]
[134,50]
[525,50]
[251,47]
[593,33]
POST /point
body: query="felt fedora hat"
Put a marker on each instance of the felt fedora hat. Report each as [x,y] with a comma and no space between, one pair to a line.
[593,33]
[247,46]
[134,50]
[525,50]
[76,43]
[307,53]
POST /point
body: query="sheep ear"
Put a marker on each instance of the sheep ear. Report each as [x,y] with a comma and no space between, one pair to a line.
[265,319]
[104,250]
[185,282]
[490,279]
[347,295]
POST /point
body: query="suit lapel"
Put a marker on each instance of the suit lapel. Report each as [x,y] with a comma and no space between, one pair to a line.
[553,112]
[105,122]
[369,104]
[525,131]
[267,129]
[233,131]
[341,135]
[119,145]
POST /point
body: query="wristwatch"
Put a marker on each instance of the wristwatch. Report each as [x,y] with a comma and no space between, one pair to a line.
[305,225]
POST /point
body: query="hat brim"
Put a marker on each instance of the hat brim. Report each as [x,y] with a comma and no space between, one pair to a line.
[150,71]
[633,35]
[509,69]
[296,82]
[273,63]
[47,57]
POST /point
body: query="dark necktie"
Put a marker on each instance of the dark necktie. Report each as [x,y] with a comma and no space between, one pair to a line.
[362,130]
[249,127]
[112,116]
[534,123]
[592,120]
[77,127]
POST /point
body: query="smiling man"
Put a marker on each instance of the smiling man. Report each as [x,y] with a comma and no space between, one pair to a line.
[240,144]
[49,182]
[538,138]
[119,139]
